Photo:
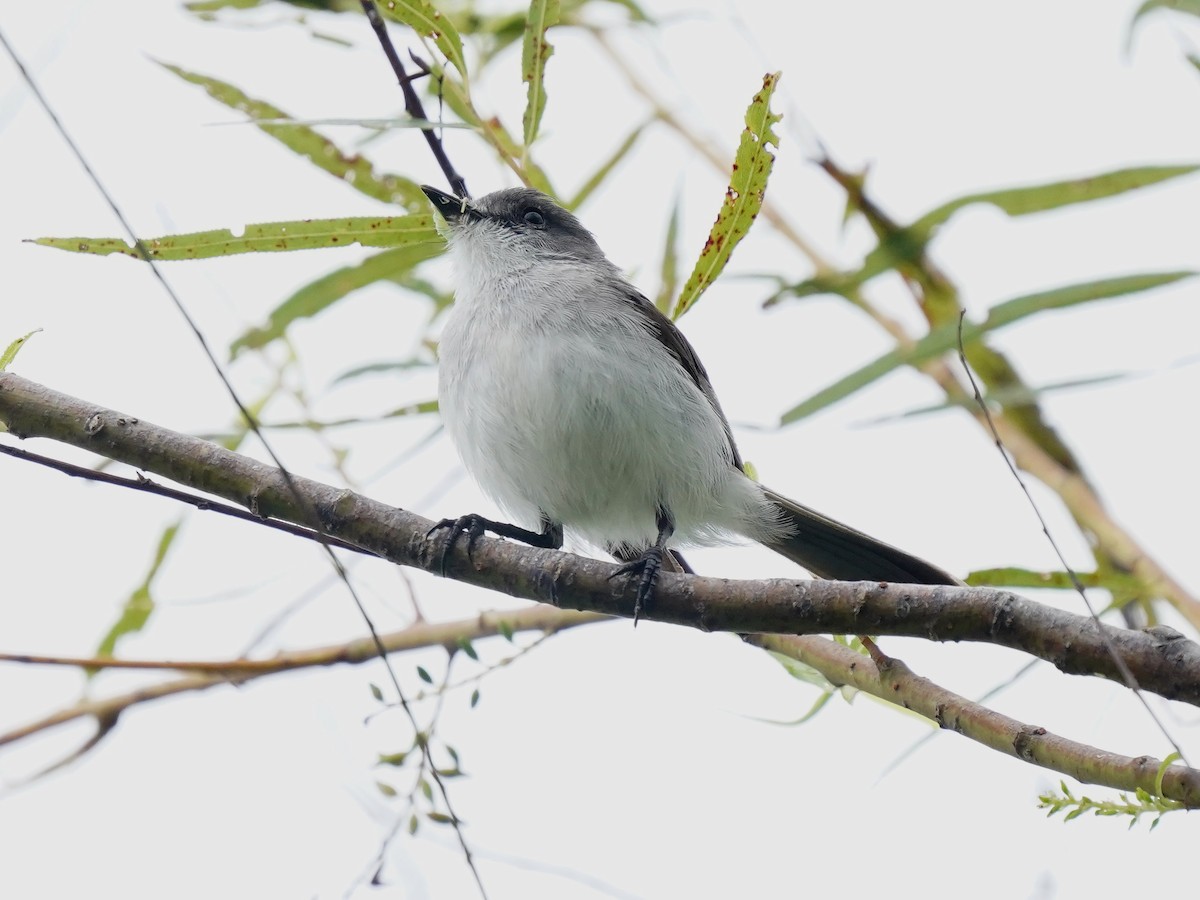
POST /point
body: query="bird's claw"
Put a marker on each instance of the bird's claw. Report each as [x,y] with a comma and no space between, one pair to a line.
[646,568]
[471,525]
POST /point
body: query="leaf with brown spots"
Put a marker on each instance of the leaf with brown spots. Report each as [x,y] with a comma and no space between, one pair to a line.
[743,198]
[543,14]
[421,17]
[266,237]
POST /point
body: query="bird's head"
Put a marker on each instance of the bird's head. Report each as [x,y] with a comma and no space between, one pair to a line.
[513,229]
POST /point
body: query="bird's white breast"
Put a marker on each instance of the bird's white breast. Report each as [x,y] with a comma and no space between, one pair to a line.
[563,404]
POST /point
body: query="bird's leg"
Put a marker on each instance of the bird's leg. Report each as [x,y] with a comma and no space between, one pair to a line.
[473,526]
[647,566]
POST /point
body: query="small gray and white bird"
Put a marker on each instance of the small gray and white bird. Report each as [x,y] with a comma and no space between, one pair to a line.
[575,403]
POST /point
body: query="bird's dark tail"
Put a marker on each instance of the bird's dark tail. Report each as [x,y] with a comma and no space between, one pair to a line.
[829,549]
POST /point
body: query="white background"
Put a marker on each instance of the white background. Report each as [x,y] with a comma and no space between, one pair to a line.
[608,762]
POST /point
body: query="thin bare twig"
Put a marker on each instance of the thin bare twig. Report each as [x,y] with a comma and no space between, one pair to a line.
[1124,670]
[144,484]
[208,674]
[412,103]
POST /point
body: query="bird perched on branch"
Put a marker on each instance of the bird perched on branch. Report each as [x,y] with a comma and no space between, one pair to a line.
[575,403]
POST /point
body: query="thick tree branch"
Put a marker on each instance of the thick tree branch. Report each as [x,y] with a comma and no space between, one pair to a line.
[778,610]
[1162,660]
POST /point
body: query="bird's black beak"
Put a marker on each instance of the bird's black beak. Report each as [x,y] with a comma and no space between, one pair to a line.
[452,208]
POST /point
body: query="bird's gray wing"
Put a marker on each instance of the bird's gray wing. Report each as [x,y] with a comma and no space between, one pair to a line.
[677,345]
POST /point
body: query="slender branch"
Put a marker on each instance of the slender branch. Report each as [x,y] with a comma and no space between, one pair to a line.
[891,680]
[142,483]
[877,674]
[412,103]
[1162,660]
[209,674]
[1089,511]
[1126,675]
[541,618]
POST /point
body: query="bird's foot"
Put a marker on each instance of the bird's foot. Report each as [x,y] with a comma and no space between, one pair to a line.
[645,571]
[472,526]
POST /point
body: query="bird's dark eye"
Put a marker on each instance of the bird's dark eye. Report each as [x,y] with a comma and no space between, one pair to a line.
[534,218]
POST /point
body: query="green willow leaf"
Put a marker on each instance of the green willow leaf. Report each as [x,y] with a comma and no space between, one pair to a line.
[268,237]
[205,8]
[803,672]
[1007,396]
[495,31]
[390,367]
[421,408]
[140,603]
[421,17]
[743,199]
[668,273]
[535,52]
[11,351]
[424,408]
[597,177]
[883,258]
[400,122]
[1013,577]
[328,289]
[386,789]
[355,170]
[816,707]
[1037,198]
[1191,7]
[908,243]
[452,91]
[945,338]
[636,13]
[501,29]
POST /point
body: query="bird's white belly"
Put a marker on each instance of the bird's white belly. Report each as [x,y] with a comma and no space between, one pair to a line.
[597,454]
